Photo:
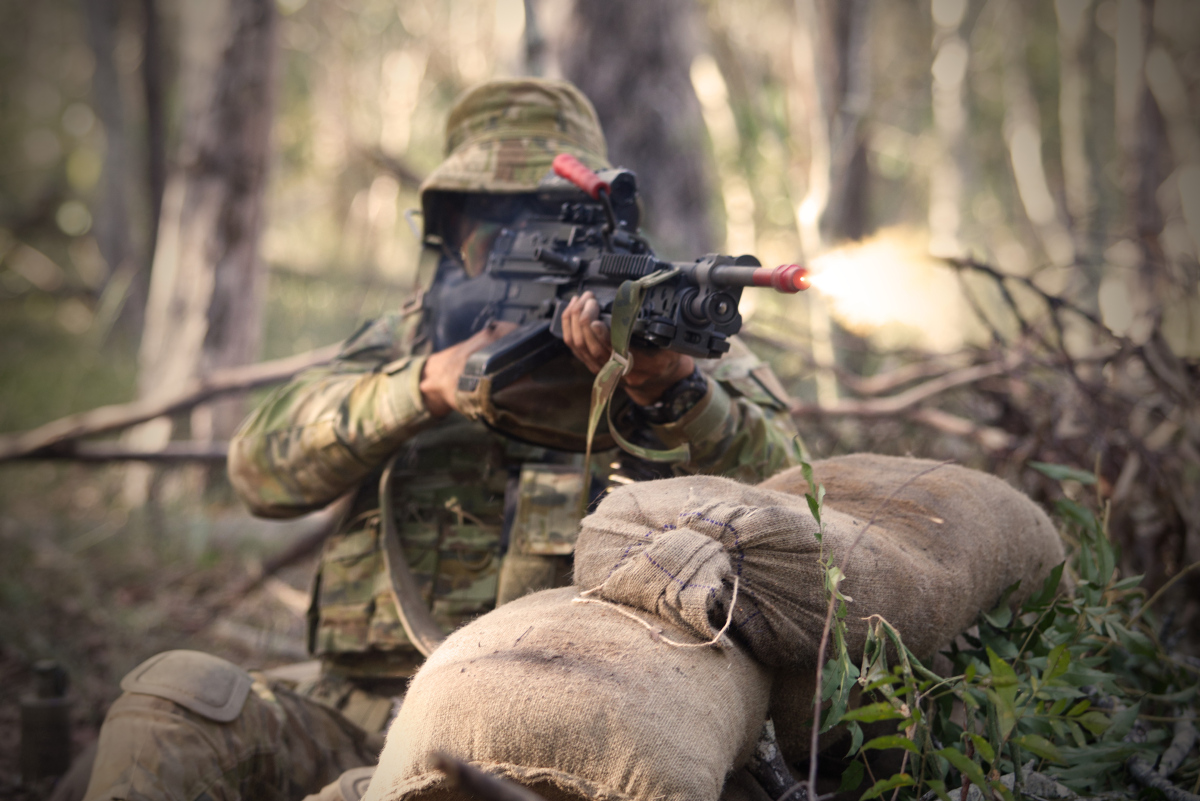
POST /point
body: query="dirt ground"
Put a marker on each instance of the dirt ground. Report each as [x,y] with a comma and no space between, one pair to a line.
[98,590]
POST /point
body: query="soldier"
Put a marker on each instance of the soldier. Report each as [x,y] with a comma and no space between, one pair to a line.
[462,506]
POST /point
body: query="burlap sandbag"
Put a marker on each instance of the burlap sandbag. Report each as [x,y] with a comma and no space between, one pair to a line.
[576,701]
[942,550]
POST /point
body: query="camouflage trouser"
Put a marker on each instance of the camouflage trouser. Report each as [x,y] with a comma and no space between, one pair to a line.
[280,746]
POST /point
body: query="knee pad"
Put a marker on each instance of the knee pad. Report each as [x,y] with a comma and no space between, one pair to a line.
[202,683]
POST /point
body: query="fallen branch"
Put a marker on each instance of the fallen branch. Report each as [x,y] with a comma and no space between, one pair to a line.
[866,385]
[115,452]
[907,405]
[897,404]
[1143,772]
[122,415]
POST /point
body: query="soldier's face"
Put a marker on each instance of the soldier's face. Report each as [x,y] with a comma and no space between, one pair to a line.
[473,223]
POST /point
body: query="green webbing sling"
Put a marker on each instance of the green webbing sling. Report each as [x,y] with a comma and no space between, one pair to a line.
[624,314]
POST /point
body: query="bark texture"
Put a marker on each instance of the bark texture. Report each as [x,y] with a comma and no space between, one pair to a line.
[204,311]
[648,108]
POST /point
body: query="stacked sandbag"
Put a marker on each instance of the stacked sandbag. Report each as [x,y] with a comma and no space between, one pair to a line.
[944,546]
[577,701]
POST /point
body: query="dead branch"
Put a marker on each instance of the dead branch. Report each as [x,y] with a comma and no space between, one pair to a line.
[401,171]
[122,415]
[1143,772]
[897,404]
[99,452]
[867,385]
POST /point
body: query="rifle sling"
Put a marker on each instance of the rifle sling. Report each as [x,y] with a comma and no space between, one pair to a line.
[422,630]
[624,314]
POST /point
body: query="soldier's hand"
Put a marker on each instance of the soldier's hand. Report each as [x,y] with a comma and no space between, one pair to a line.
[653,371]
[439,377]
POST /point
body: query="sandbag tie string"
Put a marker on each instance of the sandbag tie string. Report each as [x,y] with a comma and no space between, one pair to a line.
[656,630]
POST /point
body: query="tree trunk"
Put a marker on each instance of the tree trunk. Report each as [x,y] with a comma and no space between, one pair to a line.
[204,311]
[1141,138]
[1023,134]
[153,74]
[632,58]
[1075,45]
[111,213]
[951,57]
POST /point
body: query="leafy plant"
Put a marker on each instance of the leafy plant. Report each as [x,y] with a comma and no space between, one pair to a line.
[1076,680]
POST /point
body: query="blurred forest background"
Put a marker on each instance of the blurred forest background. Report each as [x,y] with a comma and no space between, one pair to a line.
[1000,200]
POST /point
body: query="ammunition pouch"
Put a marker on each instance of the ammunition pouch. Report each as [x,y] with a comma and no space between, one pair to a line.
[202,683]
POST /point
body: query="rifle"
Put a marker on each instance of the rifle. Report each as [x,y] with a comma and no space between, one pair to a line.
[569,243]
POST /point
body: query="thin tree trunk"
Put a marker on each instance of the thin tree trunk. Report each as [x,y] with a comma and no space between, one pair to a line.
[633,59]
[1140,136]
[204,311]
[1023,134]
[111,213]
[951,57]
[153,69]
[1075,43]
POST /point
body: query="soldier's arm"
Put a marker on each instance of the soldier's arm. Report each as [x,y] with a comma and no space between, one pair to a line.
[318,436]
[741,427]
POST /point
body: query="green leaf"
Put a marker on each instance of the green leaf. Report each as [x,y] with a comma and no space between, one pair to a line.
[1036,744]
[939,788]
[1004,693]
[1003,791]
[1080,708]
[1094,721]
[1128,583]
[1057,662]
[807,471]
[813,507]
[984,749]
[883,785]
[856,737]
[964,764]
[873,712]
[1122,722]
[1049,587]
[852,777]
[1077,734]
[1060,472]
[892,741]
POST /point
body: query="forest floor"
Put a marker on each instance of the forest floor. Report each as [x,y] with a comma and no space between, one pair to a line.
[98,590]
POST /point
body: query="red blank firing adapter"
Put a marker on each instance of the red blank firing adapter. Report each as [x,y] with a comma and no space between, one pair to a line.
[787,278]
[567,166]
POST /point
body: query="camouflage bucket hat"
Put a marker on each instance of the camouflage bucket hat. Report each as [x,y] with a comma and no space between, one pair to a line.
[502,135]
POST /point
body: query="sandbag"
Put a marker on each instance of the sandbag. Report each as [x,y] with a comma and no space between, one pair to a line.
[940,551]
[576,701]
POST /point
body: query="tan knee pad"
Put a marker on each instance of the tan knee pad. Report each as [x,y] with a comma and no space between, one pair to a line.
[202,683]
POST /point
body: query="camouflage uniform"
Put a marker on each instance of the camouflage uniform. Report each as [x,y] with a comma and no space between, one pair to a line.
[482,517]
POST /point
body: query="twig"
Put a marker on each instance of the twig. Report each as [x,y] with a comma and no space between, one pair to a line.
[1180,747]
[123,415]
[832,606]
[1133,620]
[895,404]
[401,171]
[1143,772]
